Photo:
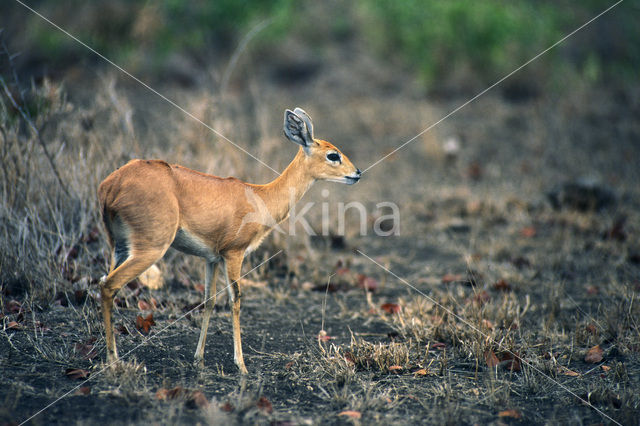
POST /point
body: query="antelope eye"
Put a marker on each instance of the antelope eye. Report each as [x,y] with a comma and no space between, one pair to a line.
[332,156]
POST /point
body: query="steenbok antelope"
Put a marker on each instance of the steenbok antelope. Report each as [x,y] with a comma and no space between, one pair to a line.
[150,205]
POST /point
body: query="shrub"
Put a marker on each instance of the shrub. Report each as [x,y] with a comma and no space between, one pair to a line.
[489,39]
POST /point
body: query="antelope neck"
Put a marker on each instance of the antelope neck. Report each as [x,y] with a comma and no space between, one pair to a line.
[286,190]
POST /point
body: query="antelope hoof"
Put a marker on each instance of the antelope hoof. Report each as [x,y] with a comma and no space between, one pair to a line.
[198,362]
[241,367]
[113,362]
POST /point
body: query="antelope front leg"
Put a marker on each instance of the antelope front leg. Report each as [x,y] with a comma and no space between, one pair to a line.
[211,277]
[233,266]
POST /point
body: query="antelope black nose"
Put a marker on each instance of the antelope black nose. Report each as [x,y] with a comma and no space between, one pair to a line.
[358,171]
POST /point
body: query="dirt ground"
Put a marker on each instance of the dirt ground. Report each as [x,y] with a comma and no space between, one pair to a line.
[507,297]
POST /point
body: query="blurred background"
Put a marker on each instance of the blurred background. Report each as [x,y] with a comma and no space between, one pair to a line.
[457,45]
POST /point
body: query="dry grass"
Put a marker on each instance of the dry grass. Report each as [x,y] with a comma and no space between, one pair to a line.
[49,220]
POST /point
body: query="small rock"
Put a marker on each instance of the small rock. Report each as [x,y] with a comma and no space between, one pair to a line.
[152,278]
[583,194]
[458,225]
[451,148]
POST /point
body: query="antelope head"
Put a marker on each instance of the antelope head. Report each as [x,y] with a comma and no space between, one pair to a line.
[323,161]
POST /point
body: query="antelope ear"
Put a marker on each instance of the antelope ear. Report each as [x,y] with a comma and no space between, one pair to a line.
[307,120]
[296,130]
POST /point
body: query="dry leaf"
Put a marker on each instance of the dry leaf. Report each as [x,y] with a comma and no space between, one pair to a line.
[341,272]
[528,232]
[40,326]
[13,307]
[76,373]
[162,394]
[197,399]
[605,367]
[421,372]
[264,405]
[510,361]
[176,392]
[482,297]
[438,345]
[368,283]
[93,235]
[86,350]
[144,324]
[513,365]
[592,329]
[390,308]
[226,407]
[351,413]
[502,285]
[348,356]
[83,390]
[396,368]
[14,325]
[451,278]
[594,355]
[192,399]
[515,414]
[565,371]
[491,359]
[144,306]
[592,290]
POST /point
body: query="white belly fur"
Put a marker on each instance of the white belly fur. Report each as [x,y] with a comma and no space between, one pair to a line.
[190,244]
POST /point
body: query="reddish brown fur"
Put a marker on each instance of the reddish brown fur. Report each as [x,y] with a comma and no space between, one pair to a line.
[151,200]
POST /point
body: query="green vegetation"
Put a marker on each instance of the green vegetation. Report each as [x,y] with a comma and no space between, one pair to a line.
[126,30]
[198,25]
[477,42]
[489,39]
